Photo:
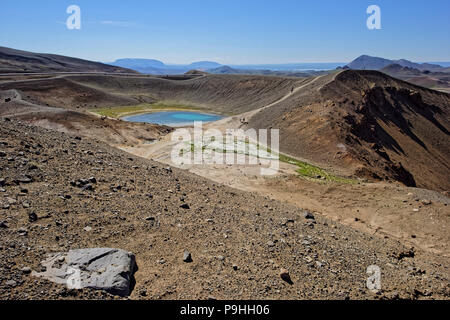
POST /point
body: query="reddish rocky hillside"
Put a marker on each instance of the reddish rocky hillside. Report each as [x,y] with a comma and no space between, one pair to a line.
[369,124]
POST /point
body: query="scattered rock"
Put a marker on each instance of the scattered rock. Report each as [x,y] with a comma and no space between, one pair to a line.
[26,270]
[308,215]
[406,254]
[185,206]
[32,217]
[11,283]
[284,274]
[187,256]
[426,202]
[105,269]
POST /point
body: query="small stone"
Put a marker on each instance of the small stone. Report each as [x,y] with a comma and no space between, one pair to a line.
[150,218]
[88,187]
[32,217]
[185,206]
[284,274]
[308,215]
[87,229]
[3,225]
[415,210]
[270,244]
[22,231]
[426,202]
[235,267]
[26,270]
[11,283]
[187,257]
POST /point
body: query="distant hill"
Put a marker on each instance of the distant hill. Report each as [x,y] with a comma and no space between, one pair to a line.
[14,61]
[152,66]
[204,65]
[266,72]
[395,68]
[138,63]
[224,70]
[365,62]
[196,72]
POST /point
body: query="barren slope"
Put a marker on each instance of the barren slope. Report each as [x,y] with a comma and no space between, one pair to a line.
[369,124]
[239,241]
[18,61]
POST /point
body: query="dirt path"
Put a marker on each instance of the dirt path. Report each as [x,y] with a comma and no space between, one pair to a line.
[235,122]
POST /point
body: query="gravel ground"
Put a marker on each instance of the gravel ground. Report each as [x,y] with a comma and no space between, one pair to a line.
[53,186]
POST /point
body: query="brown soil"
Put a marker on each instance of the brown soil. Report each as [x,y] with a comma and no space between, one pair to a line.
[238,240]
[367,124]
[259,228]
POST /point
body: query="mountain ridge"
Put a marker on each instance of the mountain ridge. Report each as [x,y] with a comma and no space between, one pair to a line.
[366,62]
[19,61]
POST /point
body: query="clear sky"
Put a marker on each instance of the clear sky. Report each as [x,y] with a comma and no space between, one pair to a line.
[230,31]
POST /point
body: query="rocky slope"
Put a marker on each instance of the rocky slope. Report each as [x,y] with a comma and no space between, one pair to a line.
[18,61]
[369,124]
[60,192]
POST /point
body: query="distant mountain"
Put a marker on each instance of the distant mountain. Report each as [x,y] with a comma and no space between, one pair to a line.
[152,66]
[13,61]
[224,70]
[365,62]
[138,63]
[266,72]
[204,65]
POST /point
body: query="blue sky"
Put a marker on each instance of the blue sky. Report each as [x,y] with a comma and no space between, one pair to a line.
[230,31]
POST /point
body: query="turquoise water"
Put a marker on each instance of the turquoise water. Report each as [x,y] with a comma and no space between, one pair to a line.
[173,118]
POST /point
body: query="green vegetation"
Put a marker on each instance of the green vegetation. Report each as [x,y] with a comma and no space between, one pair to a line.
[312,172]
[305,169]
[121,111]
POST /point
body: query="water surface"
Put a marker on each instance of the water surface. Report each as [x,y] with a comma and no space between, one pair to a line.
[173,118]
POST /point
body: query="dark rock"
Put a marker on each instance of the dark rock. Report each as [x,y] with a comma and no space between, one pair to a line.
[26,270]
[32,217]
[308,215]
[284,274]
[185,206]
[187,257]
[88,187]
